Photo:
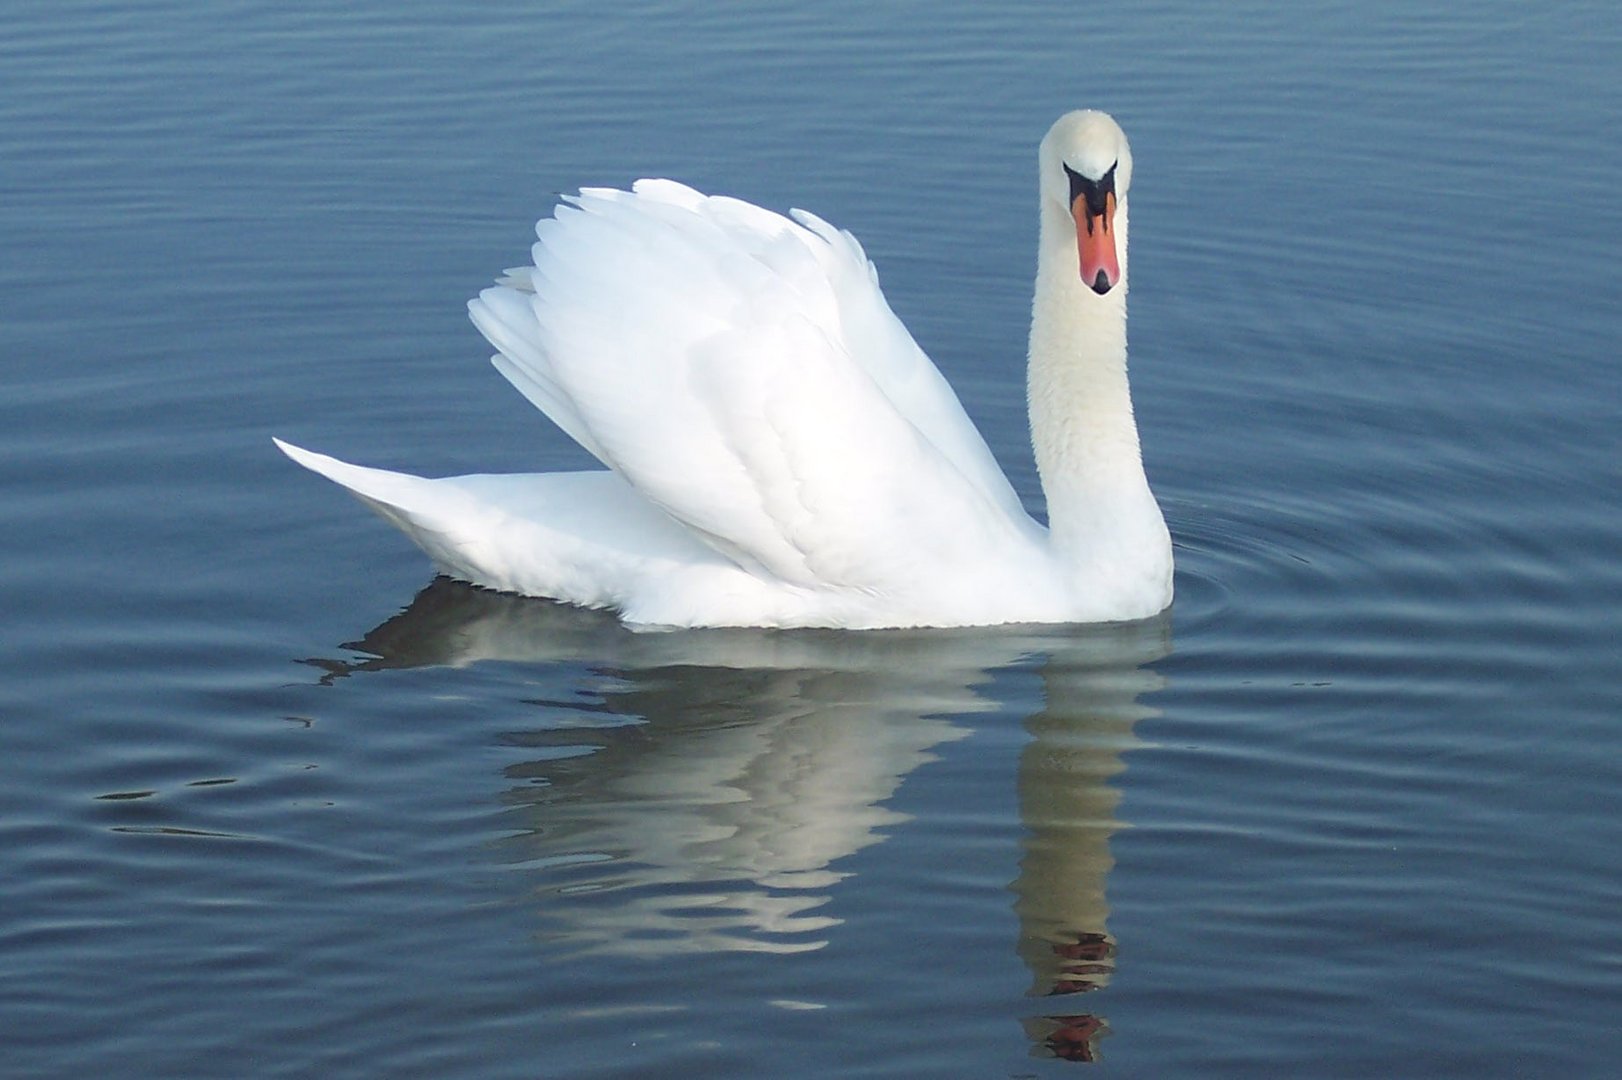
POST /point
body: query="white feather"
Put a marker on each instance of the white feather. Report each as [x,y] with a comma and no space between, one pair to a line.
[779,450]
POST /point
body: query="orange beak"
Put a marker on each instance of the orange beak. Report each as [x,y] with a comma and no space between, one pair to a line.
[1095,241]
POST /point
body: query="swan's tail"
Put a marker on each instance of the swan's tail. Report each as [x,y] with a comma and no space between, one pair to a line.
[584,537]
[439,517]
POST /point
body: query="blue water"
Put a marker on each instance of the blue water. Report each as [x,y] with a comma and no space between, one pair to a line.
[272,803]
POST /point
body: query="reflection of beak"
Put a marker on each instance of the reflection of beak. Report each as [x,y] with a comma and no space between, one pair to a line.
[1095,241]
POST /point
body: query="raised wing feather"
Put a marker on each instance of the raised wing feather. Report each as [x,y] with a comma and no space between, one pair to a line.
[743,373]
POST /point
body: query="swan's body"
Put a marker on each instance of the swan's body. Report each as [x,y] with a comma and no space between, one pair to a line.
[780,452]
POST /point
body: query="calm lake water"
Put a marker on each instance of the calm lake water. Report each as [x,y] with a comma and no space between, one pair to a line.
[273,803]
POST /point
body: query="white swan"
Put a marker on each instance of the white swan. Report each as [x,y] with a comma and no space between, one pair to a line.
[780,452]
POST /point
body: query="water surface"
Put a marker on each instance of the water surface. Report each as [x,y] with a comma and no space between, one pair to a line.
[275,803]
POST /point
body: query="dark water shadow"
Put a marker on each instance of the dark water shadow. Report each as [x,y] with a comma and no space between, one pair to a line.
[696,791]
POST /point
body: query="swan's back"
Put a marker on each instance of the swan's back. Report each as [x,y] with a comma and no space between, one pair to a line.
[744,374]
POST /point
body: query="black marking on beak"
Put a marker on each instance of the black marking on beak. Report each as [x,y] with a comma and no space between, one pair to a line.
[1094,190]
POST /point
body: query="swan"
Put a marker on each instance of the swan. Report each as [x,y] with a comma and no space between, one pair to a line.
[779,451]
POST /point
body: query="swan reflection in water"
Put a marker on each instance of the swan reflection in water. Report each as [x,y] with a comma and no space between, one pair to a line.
[695,791]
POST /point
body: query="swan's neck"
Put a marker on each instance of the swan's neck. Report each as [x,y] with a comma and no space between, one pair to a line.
[1082,427]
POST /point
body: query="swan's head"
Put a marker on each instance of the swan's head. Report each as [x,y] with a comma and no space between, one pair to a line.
[1086,171]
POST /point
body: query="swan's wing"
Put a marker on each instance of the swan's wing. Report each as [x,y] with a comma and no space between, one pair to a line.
[744,373]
